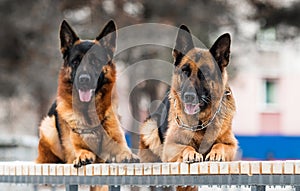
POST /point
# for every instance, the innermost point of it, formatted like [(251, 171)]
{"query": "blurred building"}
[(267, 94)]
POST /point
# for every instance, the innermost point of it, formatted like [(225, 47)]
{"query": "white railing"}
[(257, 174)]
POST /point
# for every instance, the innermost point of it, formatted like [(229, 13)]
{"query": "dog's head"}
[(200, 74), (88, 64)]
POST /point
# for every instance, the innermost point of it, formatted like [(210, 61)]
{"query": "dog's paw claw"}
[(192, 156), (85, 158), (127, 158), (215, 156)]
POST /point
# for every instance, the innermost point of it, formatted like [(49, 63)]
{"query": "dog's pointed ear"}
[(67, 37), (184, 43), (220, 50), (107, 37)]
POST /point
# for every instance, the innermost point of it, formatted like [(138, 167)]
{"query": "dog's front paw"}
[(127, 157), (85, 158), (216, 154), (190, 156)]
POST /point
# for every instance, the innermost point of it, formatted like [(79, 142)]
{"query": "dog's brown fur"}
[(61, 140), (216, 142)]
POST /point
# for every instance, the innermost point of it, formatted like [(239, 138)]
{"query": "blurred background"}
[(264, 70)]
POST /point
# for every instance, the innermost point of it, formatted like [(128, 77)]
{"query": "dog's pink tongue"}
[(85, 96), (191, 109)]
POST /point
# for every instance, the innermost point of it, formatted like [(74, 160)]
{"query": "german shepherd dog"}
[(194, 121), (81, 126)]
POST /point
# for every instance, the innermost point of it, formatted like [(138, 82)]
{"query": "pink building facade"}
[(267, 89)]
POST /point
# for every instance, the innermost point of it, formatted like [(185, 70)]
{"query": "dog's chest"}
[(93, 141), (195, 138)]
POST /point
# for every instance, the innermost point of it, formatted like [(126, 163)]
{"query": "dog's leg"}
[(180, 153), (221, 152), (45, 155), (99, 188), (49, 148), (186, 188), (150, 147), (146, 155), (224, 149), (126, 155), (83, 157), (114, 144)]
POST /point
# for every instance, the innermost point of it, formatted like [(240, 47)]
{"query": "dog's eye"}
[(186, 70), (200, 75), (75, 62)]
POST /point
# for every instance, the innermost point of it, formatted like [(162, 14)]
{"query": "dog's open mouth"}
[(191, 109), (85, 95)]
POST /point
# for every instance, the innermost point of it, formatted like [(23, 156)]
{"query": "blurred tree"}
[(203, 17), (278, 14), (28, 55)]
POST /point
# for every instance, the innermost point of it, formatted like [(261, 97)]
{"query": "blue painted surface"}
[(269, 147), (128, 139), (265, 147)]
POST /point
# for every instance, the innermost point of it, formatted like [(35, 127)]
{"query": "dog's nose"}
[(84, 79), (189, 97)]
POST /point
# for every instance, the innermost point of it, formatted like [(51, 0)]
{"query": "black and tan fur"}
[(83, 128), (199, 94)]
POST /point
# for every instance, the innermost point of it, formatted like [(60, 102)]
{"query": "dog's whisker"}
[(206, 99)]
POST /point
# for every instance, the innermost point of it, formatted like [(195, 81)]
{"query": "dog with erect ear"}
[(194, 121), (81, 127)]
